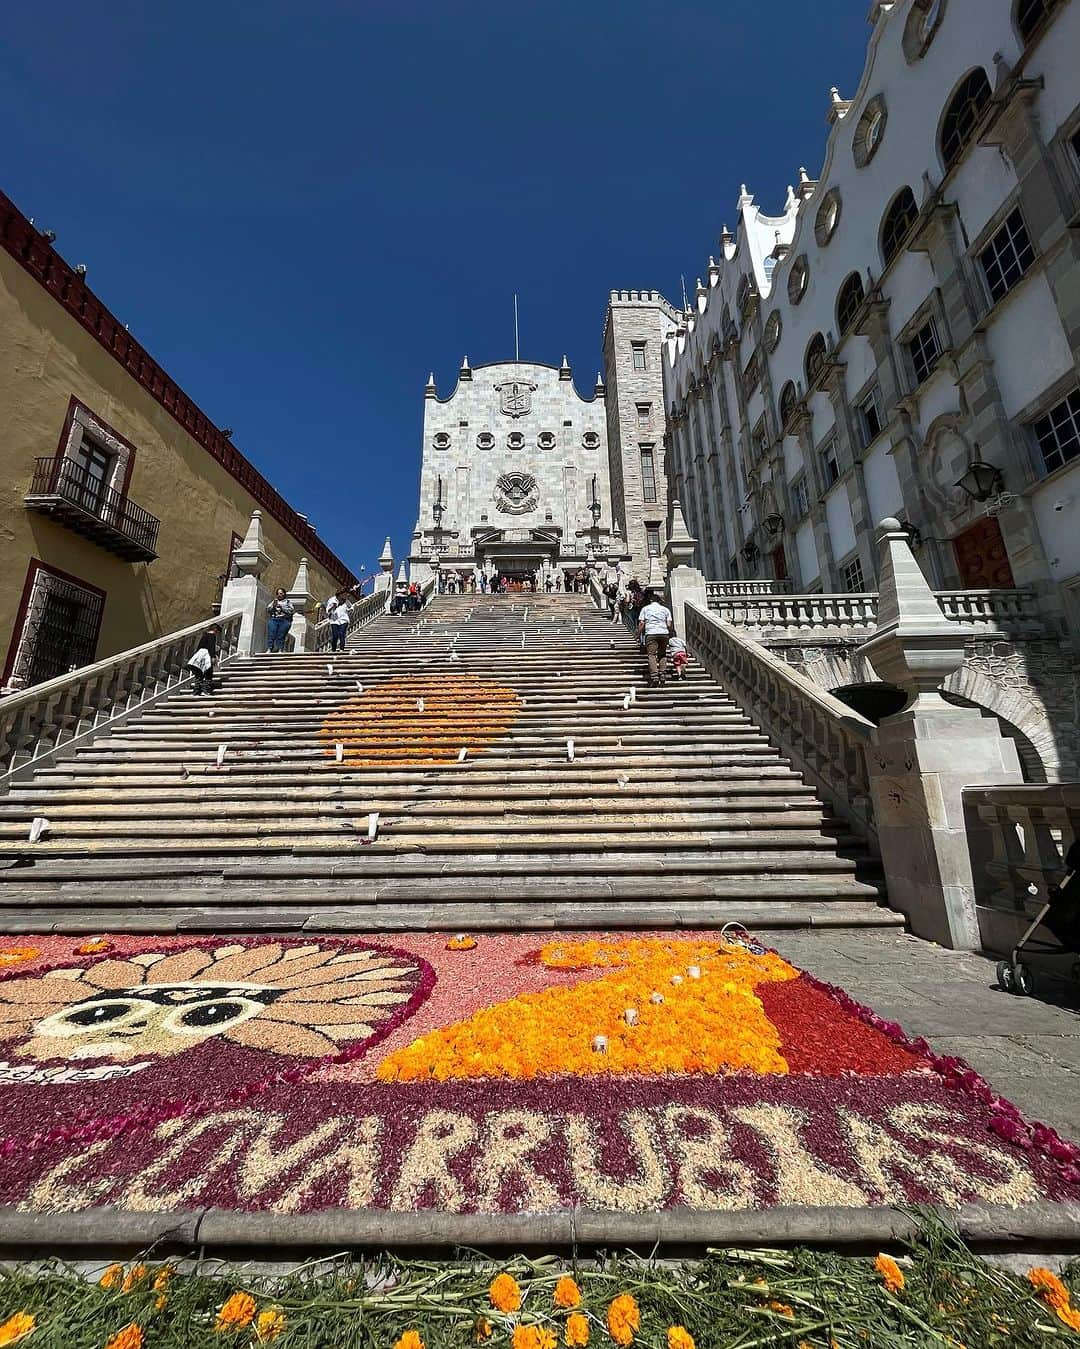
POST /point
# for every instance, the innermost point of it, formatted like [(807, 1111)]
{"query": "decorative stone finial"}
[(915, 647), (251, 558), (386, 557), (301, 586), (681, 544), (564, 369), (429, 388), (601, 387), (714, 271), (466, 369), (402, 577)]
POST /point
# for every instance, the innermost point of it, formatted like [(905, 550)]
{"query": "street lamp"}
[(774, 524), (981, 480)]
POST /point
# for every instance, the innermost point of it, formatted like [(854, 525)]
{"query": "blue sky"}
[(301, 207)]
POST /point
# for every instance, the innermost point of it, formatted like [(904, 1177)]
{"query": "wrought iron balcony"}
[(64, 490)]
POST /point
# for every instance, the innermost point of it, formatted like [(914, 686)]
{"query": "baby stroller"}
[(1061, 915)]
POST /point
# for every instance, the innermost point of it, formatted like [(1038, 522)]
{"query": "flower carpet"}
[(500, 1074)]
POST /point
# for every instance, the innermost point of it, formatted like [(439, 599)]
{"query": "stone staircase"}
[(675, 810)]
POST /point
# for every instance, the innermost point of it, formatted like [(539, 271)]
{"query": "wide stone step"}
[(293, 914), (399, 839)]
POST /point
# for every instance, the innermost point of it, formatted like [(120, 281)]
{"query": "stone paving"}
[(1027, 1048)]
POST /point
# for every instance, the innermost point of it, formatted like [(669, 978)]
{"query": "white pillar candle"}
[(656, 998), (570, 750), (676, 979), (694, 971), (630, 1016), (221, 749), (373, 826), (339, 751), (599, 1044)]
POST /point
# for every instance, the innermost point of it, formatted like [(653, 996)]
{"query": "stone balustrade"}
[(824, 738), (1012, 611), (725, 589), (1025, 831), (49, 721)]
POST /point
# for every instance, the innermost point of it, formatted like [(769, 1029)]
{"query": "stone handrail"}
[(824, 738), (1027, 830), (726, 589), (992, 610), (596, 590), (49, 721), (361, 613)]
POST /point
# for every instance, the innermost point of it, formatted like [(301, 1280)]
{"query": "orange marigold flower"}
[(678, 1337), (94, 947), (532, 1337), (1049, 1287), (461, 942), (112, 1276), (577, 1331), (131, 1337), (781, 1308), (159, 1302), (162, 1277), (567, 1293), (505, 1293), (269, 1324), (237, 1311), (134, 1275), (623, 1319), (410, 1340), (891, 1274), (17, 1327), (483, 1329), (1070, 1316)]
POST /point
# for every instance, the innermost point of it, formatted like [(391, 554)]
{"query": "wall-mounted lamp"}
[(913, 533), (774, 524), (981, 480), (750, 552)]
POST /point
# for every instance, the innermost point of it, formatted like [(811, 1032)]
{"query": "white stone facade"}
[(514, 473), (913, 310)]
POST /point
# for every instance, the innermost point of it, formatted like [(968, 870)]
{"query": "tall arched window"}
[(962, 115), (788, 401), (816, 354), (897, 222), (848, 302), (1031, 14)]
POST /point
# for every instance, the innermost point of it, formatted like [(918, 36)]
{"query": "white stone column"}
[(246, 592), (301, 629), (927, 754), (685, 582)]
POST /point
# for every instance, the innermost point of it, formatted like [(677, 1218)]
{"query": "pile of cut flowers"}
[(932, 1291)]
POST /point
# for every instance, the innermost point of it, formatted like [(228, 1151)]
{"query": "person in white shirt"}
[(337, 611), (656, 625)]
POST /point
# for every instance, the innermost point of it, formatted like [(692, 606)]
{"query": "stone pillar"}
[(385, 579), (246, 592), (685, 582), (927, 754), (301, 629)]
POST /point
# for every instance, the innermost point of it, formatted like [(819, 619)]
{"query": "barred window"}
[(830, 469), (1057, 432), (638, 349), (644, 412), (788, 402), (925, 351), (853, 577), (751, 375), (848, 302), (816, 354), (962, 115), (1007, 256), (869, 413), (648, 474), (1032, 14), (896, 226), (652, 540), (800, 498)]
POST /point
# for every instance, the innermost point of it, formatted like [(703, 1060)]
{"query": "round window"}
[(590, 440), (798, 279), (828, 217), (870, 132), (774, 326), (441, 440)]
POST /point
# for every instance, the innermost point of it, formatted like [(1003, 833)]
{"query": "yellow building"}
[(120, 501)]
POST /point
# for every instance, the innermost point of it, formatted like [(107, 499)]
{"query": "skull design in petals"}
[(305, 1000)]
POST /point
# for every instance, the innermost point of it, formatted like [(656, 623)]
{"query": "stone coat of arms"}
[(515, 397), (515, 494)]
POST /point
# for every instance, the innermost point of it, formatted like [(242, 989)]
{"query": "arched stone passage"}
[(874, 701), (1020, 719)]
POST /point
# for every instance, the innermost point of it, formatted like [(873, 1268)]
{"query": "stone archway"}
[(1021, 719)]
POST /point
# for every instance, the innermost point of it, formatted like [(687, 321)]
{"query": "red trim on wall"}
[(35, 565), (32, 251)]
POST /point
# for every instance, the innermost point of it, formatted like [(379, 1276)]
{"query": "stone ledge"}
[(105, 1233)]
